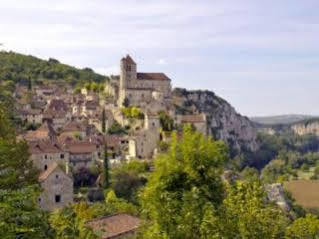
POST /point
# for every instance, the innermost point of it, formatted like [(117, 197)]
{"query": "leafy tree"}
[(184, 186), (20, 217), (248, 215), (88, 86), (16, 168), (304, 228), (128, 178), (116, 128), (250, 174), (67, 223), (103, 121), (94, 86), (29, 84), (106, 173), (167, 123)]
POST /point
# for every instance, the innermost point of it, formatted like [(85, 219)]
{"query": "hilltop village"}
[(73, 130)]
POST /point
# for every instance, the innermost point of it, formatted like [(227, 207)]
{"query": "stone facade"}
[(137, 88), (144, 142), (44, 153), (57, 188)]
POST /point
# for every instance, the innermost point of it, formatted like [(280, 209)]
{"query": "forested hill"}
[(18, 68)]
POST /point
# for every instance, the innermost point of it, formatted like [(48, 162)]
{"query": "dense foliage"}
[(21, 68)]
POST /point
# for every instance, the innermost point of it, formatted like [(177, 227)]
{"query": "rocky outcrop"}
[(222, 120), (276, 194), (307, 127)]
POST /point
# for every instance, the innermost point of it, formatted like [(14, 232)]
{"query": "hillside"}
[(280, 119), (20, 68)]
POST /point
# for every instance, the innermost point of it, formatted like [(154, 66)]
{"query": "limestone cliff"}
[(223, 121), (306, 127)]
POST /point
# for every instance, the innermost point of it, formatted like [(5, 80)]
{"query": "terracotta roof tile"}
[(81, 147)]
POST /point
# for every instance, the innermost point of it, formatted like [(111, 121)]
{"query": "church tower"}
[(128, 77), (128, 72)]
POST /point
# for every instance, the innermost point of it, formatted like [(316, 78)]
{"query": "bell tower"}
[(128, 76), (128, 72)]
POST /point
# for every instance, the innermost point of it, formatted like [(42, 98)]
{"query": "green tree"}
[(16, 168), (185, 184), (103, 121), (20, 216), (167, 123), (69, 225), (304, 228), (248, 215), (106, 173), (128, 178), (29, 84), (88, 86)]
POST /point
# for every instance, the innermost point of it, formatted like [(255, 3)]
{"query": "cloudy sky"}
[(261, 56)]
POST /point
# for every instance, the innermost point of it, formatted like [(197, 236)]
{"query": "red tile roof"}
[(152, 76), (115, 226), (81, 147), (44, 147)]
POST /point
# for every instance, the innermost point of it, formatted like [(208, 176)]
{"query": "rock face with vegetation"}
[(223, 121), (307, 127)]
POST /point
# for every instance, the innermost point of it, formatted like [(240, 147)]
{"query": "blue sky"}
[(261, 56)]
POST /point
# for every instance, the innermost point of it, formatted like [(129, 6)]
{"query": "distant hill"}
[(281, 119), (17, 67)]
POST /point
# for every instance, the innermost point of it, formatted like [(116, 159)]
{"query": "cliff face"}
[(223, 121), (306, 127)]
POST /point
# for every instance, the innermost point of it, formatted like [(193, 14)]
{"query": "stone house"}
[(144, 142), (83, 154), (34, 116), (89, 108), (116, 226), (197, 120), (57, 188), (74, 128), (44, 153), (57, 118), (45, 132)]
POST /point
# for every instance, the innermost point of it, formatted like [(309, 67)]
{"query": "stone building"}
[(44, 153), (45, 132), (57, 188), (137, 88), (197, 120), (34, 116), (83, 154), (144, 142)]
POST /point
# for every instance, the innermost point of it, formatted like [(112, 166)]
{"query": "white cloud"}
[(162, 62)]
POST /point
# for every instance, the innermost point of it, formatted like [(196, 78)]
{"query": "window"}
[(39, 199), (45, 167), (62, 156), (57, 198), (45, 156), (57, 176)]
